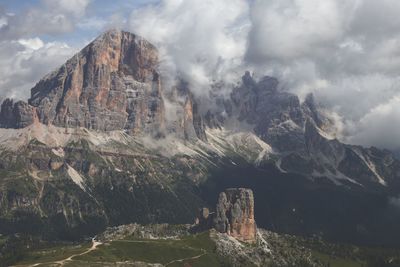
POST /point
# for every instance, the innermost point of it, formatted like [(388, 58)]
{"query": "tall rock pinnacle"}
[(235, 214), (111, 84)]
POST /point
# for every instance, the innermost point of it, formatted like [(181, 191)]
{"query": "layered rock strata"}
[(111, 84), (16, 115)]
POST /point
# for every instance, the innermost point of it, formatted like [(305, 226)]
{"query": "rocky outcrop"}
[(16, 115), (204, 220), (111, 84), (235, 214), (276, 115), (304, 134), (185, 120)]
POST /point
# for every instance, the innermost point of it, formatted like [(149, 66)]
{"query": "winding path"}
[(190, 258), (94, 246), (204, 252)]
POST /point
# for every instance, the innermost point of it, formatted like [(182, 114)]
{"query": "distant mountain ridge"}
[(97, 128)]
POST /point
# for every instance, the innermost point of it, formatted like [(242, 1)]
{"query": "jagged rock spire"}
[(235, 214)]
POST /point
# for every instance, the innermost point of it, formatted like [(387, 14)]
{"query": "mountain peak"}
[(108, 85), (112, 31), (116, 36)]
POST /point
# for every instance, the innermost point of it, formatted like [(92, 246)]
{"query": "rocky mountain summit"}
[(103, 141), (111, 84)]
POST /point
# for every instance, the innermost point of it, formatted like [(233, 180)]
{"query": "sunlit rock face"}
[(111, 84), (235, 214)]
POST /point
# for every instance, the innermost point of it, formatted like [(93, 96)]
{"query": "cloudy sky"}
[(347, 52)]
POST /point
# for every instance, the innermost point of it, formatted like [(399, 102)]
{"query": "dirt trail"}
[(190, 258), (95, 244), (204, 252)]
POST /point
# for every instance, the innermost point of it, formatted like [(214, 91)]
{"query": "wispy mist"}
[(201, 41)]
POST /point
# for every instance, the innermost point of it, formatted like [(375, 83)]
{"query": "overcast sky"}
[(347, 52)]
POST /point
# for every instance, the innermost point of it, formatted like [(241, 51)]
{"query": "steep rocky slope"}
[(16, 115), (111, 84), (96, 145)]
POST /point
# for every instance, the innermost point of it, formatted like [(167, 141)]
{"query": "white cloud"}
[(33, 43), (202, 40), (3, 22), (346, 52), (31, 59), (25, 57), (291, 29), (92, 23), (380, 126), (76, 8), (352, 46), (49, 17)]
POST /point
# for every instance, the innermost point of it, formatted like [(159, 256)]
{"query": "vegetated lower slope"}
[(173, 245), (78, 188)]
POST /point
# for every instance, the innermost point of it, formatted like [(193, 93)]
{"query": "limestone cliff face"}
[(16, 115), (187, 122), (111, 84), (235, 214), (277, 115)]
